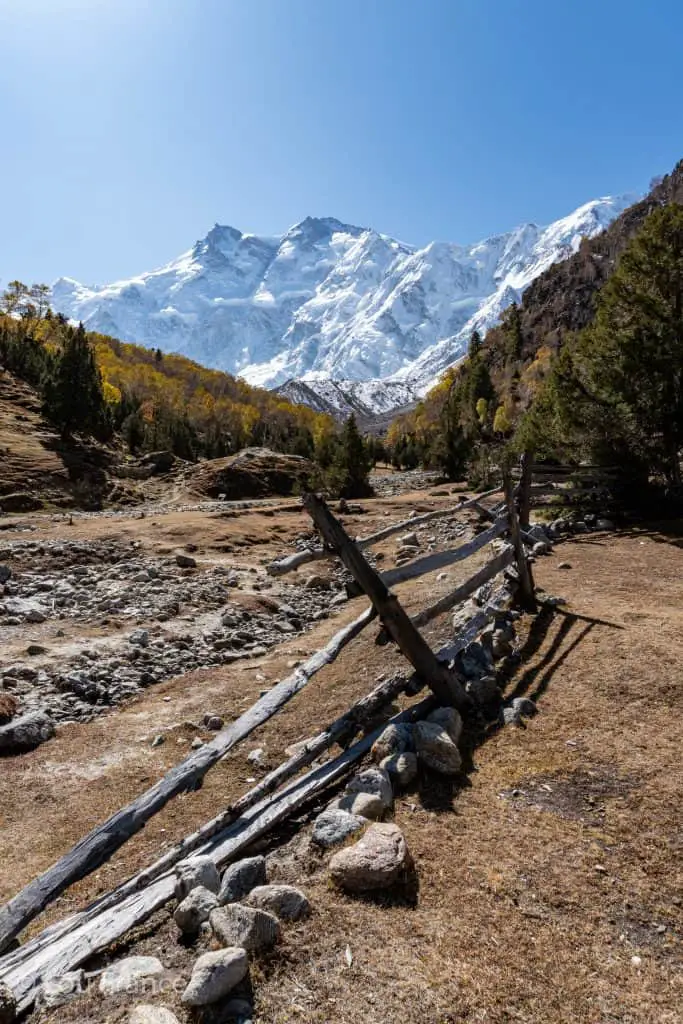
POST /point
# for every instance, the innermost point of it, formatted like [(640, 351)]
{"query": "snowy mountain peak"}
[(330, 301)]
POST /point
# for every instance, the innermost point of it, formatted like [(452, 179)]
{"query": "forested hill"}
[(562, 299)]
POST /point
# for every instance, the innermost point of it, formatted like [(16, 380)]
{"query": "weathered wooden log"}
[(526, 583), (526, 465), (413, 646), (284, 565), (99, 845), (26, 969), (440, 559), (341, 730)]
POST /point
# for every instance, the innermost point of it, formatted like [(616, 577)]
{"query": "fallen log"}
[(284, 565), (99, 845), (341, 731), (440, 559), (36, 962), (445, 685)]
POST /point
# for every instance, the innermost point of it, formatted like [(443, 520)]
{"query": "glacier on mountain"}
[(329, 301)]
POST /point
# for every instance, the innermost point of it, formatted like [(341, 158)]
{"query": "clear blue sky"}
[(131, 126)]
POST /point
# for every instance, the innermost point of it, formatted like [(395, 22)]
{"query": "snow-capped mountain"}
[(340, 398), (329, 301)]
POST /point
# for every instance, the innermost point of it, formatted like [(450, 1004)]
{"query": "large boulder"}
[(26, 733), (334, 826), (252, 473), (241, 877), (248, 927), (125, 975), (436, 748), (193, 872), (374, 862), (215, 975), (286, 902)]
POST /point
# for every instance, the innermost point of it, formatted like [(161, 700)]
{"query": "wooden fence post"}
[(526, 583), (444, 683), (526, 465)]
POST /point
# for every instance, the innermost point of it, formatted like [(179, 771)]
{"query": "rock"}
[(450, 720), (139, 637), (158, 740), (195, 909), (401, 767), (394, 740), (58, 991), (334, 825), (474, 660), (524, 706), (9, 705), (8, 1004), (193, 872), (214, 975), (126, 974), (35, 616), (500, 647), (248, 927), (537, 532), (564, 565), (484, 690), (368, 794), (374, 862), (144, 1013), (284, 901), (34, 650), (240, 878), (409, 540), (185, 561), (26, 733), (317, 583), (196, 743), (541, 547), (239, 1010), (5, 573), (256, 756), (510, 716), (213, 722), (436, 748), (604, 524)]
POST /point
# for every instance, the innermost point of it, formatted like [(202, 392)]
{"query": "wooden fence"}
[(65, 945)]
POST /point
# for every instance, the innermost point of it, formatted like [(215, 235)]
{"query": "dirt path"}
[(549, 886)]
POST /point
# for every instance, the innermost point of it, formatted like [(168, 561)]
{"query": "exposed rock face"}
[(334, 825), (286, 902), (436, 748), (252, 473), (126, 974), (193, 872), (215, 975), (248, 927), (241, 877), (374, 862)]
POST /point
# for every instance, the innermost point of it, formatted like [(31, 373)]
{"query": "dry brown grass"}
[(539, 879)]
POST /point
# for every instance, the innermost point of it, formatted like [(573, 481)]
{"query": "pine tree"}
[(512, 329), (352, 464), (616, 390), (72, 390)]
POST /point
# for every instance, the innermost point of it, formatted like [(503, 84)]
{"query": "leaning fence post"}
[(526, 583), (526, 465)]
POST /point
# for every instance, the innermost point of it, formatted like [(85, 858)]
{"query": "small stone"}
[(636, 961), (317, 583), (409, 540), (483, 690), (158, 740), (564, 565), (401, 767), (213, 722), (368, 794), (286, 902), (256, 756), (8, 1004), (240, 878), (524, 706), (195, 909), (126, 974), (35, 616), (436, 748), (58, 991), (334, 825), (214, 975), (147, 1014), (140, 637), (541, 547), (185, 561), (34, 650), (248, 927), (395, 739), (196, 743), (374, 862), (5, 573), (193, 872), (450, 720)]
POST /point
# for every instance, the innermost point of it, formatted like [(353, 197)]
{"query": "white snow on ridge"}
[(330, 302)]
